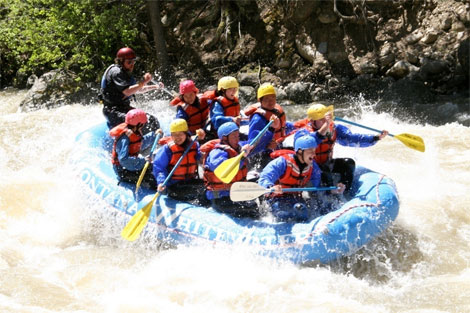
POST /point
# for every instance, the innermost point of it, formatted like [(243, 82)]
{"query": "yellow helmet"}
[(178, 125), (266, 89), (318, 111), (227, 82)]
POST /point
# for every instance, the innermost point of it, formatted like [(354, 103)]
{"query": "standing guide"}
[(118, 86)]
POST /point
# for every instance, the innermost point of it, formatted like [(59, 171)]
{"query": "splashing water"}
[(58, 254)]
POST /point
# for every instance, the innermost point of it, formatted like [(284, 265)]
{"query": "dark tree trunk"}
[(159, 39)]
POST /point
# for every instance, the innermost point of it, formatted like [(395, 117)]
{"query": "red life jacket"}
[(206, 96), (206, 148), (188, 166), (277, 153), (292, 177), (231, 107), (324, 150), (277, 111), (134, 145), (197, 116), (303, 123), (164, 140), (213, 183)]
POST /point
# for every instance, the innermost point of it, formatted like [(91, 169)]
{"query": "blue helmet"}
[(226, 129), (305, 142)]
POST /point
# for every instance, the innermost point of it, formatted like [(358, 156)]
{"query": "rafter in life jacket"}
[(277, 111), (134, 145)]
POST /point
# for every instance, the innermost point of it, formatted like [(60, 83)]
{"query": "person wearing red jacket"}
[(260, 114)]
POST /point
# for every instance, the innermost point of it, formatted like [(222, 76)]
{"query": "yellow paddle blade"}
[(141, 177), (137, 223), (227, 170), (411, 141), (412, 137)]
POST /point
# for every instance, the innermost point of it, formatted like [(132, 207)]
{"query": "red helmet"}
[(135, 117), (187, 86), (125, 53)]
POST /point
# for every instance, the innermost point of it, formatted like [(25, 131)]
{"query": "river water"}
[(58, 255)]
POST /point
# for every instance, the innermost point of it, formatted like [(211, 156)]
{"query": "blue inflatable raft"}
[(372, 209)]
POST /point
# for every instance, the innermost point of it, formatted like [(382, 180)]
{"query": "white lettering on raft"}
[(112, 197), (184, 224)]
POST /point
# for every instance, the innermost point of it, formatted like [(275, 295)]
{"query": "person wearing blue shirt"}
[(185, 183), (217, 191), (225, 106), (128, 143), (260, 114), (319, 122), (192, 106), (293, 170)]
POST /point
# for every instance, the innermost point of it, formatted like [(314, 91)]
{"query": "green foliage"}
[(82, 36)]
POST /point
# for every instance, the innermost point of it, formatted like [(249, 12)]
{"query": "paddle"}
[(409, 140), (227, 170), (245, 191), (141, 177), (173, 94), (137, 223)]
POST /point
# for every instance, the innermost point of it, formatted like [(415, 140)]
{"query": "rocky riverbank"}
[(411, 53)]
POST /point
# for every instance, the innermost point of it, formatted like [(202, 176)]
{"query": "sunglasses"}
[(130, 61)]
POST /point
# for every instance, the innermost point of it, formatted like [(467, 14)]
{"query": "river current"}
[(57, 254)]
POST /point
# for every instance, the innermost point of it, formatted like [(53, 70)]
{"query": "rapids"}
[(58, 254)]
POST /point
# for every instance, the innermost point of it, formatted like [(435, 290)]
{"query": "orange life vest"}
[(206, 96), (134, 145), (277, 153), (164, 140), (303, 123), (188, 166), (293, 177), (324, 150), (277, 111), (197, 116), (213, 183), (231, 107), (206, 148)]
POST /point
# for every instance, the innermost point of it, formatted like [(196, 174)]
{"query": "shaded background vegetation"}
[(81, 36), (325, 44)]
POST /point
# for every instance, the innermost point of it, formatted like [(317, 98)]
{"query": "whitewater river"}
[(56, 255)]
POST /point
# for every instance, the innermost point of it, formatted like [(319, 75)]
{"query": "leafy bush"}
[(82, 36)]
